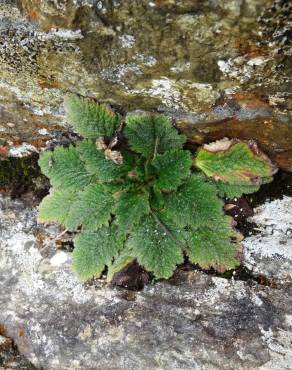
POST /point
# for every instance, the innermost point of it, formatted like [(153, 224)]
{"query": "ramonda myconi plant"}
[(131, 191)]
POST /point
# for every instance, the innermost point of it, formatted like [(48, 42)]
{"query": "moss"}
[(18, 175)]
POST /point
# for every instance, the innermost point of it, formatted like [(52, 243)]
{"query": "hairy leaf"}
[(194, 203), (150, 135), (211, 246), (157, 198), (65, 169), (125, 257), (130, 208), (232, 191), (56, 206), (138, 199), (154, 247), (172, 167), (46, 162), (90, 119), (93, 251), (98, 165), (92, 208), (240, 164)]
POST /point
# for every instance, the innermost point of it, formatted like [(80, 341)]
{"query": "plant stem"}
[(61, 234), (155, 147)]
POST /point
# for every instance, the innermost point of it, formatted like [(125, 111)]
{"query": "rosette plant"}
[(131, 191)]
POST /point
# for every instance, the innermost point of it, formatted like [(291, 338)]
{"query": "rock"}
[(242, 116), (269, 252), (219, 68), (5, 342), (193, 321), (10, 358)]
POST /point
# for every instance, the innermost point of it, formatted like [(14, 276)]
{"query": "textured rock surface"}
[(269, 253), (10, 358), (221, 68), (193, 322)]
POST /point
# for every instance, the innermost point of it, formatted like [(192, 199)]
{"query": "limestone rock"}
[(194, 321), (220, 68), (10, 358), (269, 252)]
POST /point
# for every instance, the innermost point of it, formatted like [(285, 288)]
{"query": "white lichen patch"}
[(256, 61), (180, 67), (60, 33), (43, 131), (29, 98), (241, 68), (289, 320), (274, 216), (22, 246), (20, 255), (270, 252), (145, 59), (224, 66), (22, 150), (127, 41), (66, 286), (166, 90), (279, 344), (119, 72)]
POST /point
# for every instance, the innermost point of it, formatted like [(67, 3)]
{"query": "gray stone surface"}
[(220, 68), (269, 252), (10, 358), (195, 321)]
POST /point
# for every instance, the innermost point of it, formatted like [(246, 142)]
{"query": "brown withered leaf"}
[(100, 144), (114, 156)]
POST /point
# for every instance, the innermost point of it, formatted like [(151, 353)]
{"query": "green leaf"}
[(98, 165), (90, 119), (130, 208), (154, 247), (46, 162), (211, 245), (172, 167), (93, 251), (64, 168), (137, 172), (92, 208), (150, 135), (232, 191), (125, 257), (56, 206), (157, 198), (239, 163), (194, 203)]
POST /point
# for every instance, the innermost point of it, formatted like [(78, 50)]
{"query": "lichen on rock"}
[(179, 57), (269, 252), (59, 324)]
